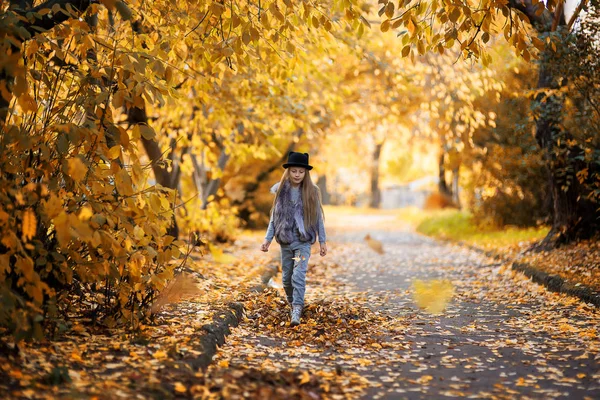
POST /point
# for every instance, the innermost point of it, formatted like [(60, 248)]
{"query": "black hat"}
[(297, 160)]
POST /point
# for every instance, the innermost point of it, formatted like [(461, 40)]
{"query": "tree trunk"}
[(455, 197), (322, 184), (443, 186), (572, 215), (375, 191), (163, 177), (212, 186)]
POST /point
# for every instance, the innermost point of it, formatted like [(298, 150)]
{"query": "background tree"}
[(431, 27), (507, 179)]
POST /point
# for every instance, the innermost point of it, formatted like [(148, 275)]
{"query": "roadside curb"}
[(215, 333), (554, 283), (558, 284)]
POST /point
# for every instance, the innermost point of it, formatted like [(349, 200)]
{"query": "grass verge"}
[(576, 262), (459, 226)]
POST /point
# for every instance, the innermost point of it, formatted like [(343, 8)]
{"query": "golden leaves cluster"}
[(436, 26), (76, 208)]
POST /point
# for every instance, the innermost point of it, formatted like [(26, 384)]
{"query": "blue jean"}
[(294, 263)]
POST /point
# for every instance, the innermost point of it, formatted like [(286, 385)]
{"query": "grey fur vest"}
[(287, 216)]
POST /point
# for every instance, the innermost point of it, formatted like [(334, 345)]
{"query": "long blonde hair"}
[(311, 198)]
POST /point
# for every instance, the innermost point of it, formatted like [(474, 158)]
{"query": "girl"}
[(296, 220)]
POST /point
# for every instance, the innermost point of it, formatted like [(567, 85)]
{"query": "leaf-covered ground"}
[(152, 362), (501, 336), (363, 335), (575, 262)]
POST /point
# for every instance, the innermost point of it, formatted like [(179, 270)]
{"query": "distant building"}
[(410, 194)]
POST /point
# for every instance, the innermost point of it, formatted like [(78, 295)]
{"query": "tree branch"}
[(42, 23), (558, 15), (542, 22), (21, 4), (576, 13)]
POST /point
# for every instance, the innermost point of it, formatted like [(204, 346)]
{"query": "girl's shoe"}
[(296, 313)]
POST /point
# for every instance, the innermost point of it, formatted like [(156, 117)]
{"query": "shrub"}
[(437, 201)]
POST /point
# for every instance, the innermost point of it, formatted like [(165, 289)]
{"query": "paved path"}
[(501, 336)]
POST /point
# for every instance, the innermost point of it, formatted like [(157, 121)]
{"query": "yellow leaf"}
[(410, 25), (433, 295), (290, 47), (180, 387), (123, 183), (566, 328), (62, 227), (246, 37), (53, 206), (25, 268), (164, 202), (20, 86), (27, 103), (538, 43), (117, 99), (219, 257), (389, 10), (160, 355), (9, 240), (114, 152), (36, 293), (29, 225), (77, 169), (454, 14), (135, 265), (217, 9), (155, 203), (85, 213), (315, 22), (144, 131), (224, 364), (385, 25), (374, 244), (3, 217), (305, 378)]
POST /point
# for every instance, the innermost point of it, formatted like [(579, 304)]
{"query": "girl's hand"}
[(265, 246), (323, 251)]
